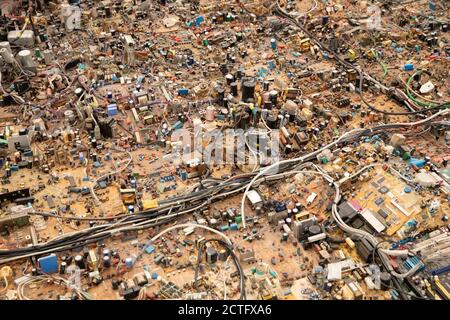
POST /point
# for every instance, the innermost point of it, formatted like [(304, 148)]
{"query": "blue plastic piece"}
[(409, 67), (49, 264), (234, 226), (154, 275), (112, 110), (407, 189), (177, 125), (199, 20), (149, 249), (419, 163), (183, 92)]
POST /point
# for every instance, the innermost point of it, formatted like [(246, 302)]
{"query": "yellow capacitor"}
[(350, 242)]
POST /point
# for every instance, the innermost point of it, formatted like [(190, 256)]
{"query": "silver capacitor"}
[(7, 56), (26, 60), (49, 57), (5, 45)]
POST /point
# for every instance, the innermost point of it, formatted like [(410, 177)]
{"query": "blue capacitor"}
[(407, 189), (129, 262), (183, 92), (130, 209), (273, 43), (409, 67), (110, 95), (432, 4)]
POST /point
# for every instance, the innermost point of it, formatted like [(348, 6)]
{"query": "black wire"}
[(243, 294)]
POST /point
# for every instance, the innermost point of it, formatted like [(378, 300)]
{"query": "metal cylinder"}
[(26, 59), (7, 56), (5, 45), (49, 57)]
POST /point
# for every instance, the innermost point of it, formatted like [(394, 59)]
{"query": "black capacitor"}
[(385, 279), (220, 95), (225, 102), (106, 261), (266, 85), (79, 261), (224, 68), (273, 95), (34, 272), (62, 267), (79, 91), (268, 105), (248, 90), (444, 27), (234, 89), (229, 78), (108, 12), (272, 121), (288, 149), (291, 114), (115, 284), (238, 74), (258, 210)]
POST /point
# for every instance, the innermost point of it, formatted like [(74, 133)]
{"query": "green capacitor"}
[(38, 53)]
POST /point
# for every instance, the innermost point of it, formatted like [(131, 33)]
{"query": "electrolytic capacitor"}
[(385, 279), (273, 43), (273, 97), (129, 262), (62, 267), (106, 252), (234, 89), (106, 261), (79, 261), (248, 90), (268, 105), (266, 85), (229, 78)]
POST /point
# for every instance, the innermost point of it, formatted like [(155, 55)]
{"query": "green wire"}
[(383, 65), (419, 102)]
